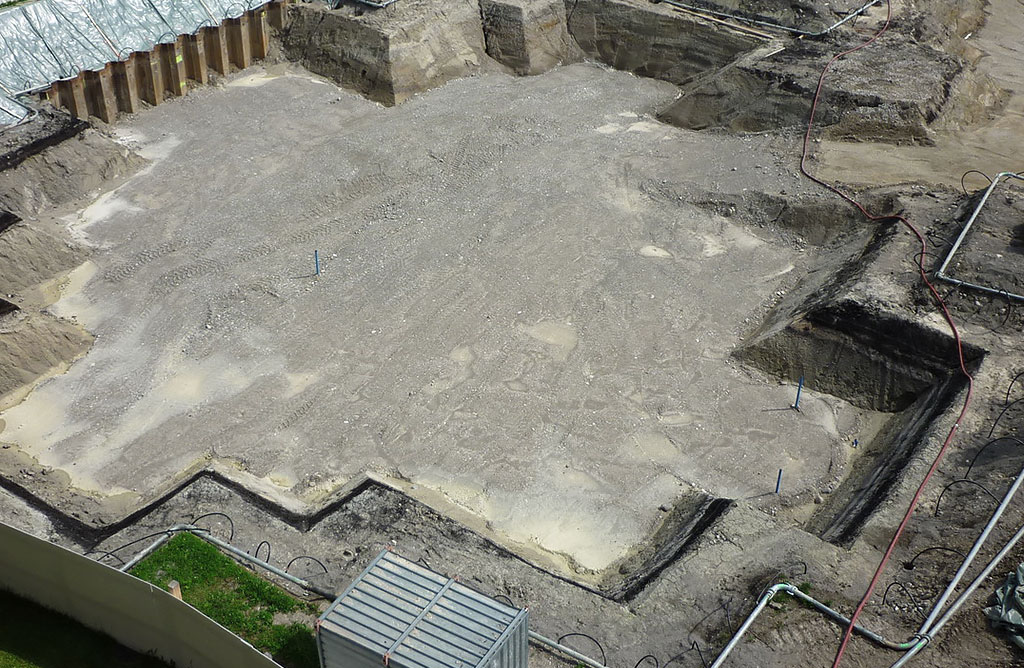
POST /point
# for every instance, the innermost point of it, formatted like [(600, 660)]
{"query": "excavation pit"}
[(555, 339), (839, 332), (504, 321)]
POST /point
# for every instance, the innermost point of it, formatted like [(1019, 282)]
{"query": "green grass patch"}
[(33, 637), (237, 599), (783, 598)]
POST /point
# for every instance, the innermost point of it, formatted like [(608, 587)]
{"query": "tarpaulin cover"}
[(11, 111), (1007, 609), (50, 40)]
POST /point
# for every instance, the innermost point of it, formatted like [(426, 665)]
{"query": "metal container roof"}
[(404, 614)]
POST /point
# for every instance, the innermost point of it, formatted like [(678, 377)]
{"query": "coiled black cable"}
[(256, 553)]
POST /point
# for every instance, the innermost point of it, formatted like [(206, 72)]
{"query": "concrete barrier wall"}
[(135, 613)]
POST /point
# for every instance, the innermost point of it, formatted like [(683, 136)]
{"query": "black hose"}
[(1006, 319), (256, 553), (933, 235), (1002, 413), (103, 553), (972, 171), (510, 601), (224, 515), (137, 540), (694, 646), (721, 606), (604, 658), (1007, 400), (305, 556), (645, 657), (699, 653), (962, 480), (982, 449), (919, 256), (909, 565)]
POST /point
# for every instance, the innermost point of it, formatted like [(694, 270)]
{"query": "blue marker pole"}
[(778, 482), (799, 387), (316, 261)]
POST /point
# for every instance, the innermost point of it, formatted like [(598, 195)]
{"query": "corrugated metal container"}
[(403, 615)]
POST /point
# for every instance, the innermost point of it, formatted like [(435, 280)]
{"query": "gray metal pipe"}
[(817, 605), (762, 603), (941, 273), (971, 588), (573, 654), (228, 547), (242, 554), (145, 552), (845, 621), (930, 627), (769, 24), (978, 543)]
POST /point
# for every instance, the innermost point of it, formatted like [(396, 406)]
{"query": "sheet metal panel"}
[(512, 650), (418, 619)]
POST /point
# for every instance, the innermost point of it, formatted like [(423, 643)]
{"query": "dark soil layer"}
[(48, 129), (850, 347)]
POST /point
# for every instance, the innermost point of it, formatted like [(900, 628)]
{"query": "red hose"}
[(938, 300)]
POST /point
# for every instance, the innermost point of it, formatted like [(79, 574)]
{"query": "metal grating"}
[(401, 614)]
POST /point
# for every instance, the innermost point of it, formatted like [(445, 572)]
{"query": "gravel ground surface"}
[(505, 314)]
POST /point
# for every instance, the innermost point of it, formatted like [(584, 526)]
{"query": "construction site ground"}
[(545, 333)]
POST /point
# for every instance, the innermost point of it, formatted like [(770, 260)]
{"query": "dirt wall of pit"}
[(389, 55), (64, 162)]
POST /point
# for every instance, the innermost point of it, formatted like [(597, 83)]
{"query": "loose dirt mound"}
[(896, 96), (30, 257), (63, 173), (33, 346), (45, 166)]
